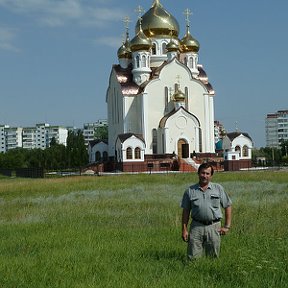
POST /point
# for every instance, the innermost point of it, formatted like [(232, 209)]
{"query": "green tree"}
[(76, 152), (14, 158), (284, 147), (101, 133)]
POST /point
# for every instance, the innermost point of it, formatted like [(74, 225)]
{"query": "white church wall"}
[(115, 112), (133, 114), (155, 98)]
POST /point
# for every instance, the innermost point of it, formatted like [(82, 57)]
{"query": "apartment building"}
[(90, 128), (58, 133), (276, 126), (39, 136), (2, 138), (13, 136), (29, 137)]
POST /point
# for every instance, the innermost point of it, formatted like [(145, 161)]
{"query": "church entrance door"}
[(183, 148)]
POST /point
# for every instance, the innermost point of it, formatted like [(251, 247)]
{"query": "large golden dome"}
[(158, 22)]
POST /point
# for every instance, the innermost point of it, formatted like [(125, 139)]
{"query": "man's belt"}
[(206, 223)]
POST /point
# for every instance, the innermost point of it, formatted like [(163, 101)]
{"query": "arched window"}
[(137, 61), (185, 61), (129, 153), (191, 62), (137, 153), (98, 156), (237, 148), (154, 49), (186, 98), (245, 151), (154, 141), (105, 156), (164, 51), (143, 61), (166, 98)]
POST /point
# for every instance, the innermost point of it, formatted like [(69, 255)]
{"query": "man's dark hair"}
[(206, 166)]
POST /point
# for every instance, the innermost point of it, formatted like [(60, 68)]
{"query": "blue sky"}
[(56, 57)]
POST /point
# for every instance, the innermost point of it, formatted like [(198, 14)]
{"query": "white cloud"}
[(7, 36), (61, 12)]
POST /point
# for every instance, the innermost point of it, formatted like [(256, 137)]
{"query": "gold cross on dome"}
[(126, 21), (140, 11), (187, 12)]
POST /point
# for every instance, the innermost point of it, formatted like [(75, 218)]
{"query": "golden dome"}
[(158, 22), (179, 96), (124, 51), (172, 46), (188, 43), (140, 42)]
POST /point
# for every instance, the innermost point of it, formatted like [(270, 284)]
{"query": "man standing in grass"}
[(204, 201)]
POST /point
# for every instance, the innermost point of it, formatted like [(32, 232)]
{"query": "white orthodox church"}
[(159, 99)]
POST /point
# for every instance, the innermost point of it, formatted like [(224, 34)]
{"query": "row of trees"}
[(57, 156), (273, 156)]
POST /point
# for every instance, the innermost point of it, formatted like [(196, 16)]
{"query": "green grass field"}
[(125, 231)]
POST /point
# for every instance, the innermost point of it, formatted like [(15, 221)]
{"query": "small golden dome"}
[(172, 46), (179, 96), (140, 42), (124, 51), (188, 43), (158, 22)]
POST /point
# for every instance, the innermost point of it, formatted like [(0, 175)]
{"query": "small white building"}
[(237, 147), (98, 151)]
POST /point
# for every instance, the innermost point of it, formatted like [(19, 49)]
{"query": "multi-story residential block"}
[(90, 128), (41, 135), (58, 133), (13, 137), (2, 138), (45, 133), (29, 137), (276, 128)]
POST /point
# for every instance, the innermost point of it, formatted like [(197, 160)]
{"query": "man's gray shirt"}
[(205, 206)]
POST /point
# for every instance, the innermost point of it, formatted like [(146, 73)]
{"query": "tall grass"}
[(125, 231)]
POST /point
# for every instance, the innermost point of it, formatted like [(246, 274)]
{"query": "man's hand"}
[(223, 230), (185, 235)]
